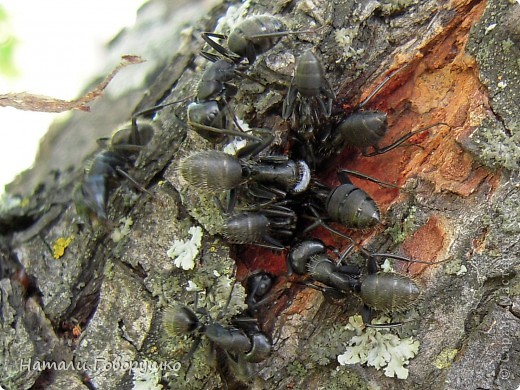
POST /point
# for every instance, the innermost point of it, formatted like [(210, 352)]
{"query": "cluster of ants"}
[(281, 187)]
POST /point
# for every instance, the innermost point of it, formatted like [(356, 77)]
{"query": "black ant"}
[(109, 166)]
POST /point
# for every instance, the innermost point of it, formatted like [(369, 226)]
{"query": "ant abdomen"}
[(246, 228), (364, 129), (181, 320), (212, 170), (352, 207), (389, 291), (251, 36)]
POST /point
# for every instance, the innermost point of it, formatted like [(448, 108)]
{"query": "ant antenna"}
[(380, 86)]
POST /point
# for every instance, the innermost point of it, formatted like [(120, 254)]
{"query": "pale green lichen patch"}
[(220, 299), (344, 38), (379, 349), (509, 211), (344, 378), (329, 344), (205, 211), (184, 252), (401, 230), (462, 271), (122, 230), (495, 148), (445, 358), (455, 267), (234, 15), (396, 6)]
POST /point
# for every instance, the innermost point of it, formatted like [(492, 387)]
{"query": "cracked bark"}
[(460, 204)]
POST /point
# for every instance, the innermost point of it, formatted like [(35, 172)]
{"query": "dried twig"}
[(30, 102)]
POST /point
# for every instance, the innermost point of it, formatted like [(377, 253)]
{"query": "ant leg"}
[(343, 178), (270, 243), (258, 286), (192, 350), (323, 289), (401, 140), (240, 73), (372, 264), (319, 222), (279, 34), (133, 181), (230, 296), (323, 108), (371, 261), (279, 210), (266, 195), (250, 52), (153, 109), (367, 314), (254, 148), (330, 95), (231, 201), (209, 56), (199, 126), (408, 260), (208, 37), (383, 326), (288, 103), (346, 252)]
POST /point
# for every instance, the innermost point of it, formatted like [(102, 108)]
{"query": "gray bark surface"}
[(114, 289)]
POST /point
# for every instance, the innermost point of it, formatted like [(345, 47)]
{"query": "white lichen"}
[(184, 252), (229, 297), (123, 230), (387, 266), (147, 376), (344, 38), (377, 349), (462, 271), (192, 286), (308, 7), (490, 28), (235, 145), (234, 15)]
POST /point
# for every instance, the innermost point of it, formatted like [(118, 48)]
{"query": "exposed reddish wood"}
[(439, 84), (426, 243)]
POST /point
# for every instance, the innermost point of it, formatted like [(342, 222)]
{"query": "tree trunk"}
[(100, 306)]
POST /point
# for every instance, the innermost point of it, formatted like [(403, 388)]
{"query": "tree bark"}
[(101, 304)]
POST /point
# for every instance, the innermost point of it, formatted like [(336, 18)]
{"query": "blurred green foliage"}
[(8, 44)]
